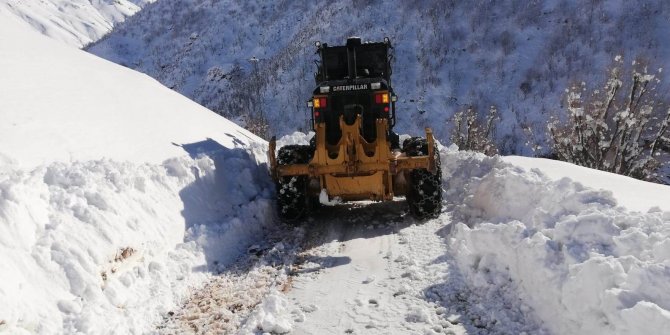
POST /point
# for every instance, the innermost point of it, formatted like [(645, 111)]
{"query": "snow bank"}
[(116, 194), (103, 245), (631, 193), (585, 265)]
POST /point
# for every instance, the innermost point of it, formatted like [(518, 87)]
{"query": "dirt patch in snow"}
[(226, 302)]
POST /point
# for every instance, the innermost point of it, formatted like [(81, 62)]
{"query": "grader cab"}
[(354, 154)]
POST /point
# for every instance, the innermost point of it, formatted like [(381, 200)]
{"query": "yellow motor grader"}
[(354, 154)]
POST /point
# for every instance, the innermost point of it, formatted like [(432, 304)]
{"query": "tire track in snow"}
[(357, 269), (370, 269)]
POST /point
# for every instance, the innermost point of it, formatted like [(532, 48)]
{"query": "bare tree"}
[(256, 121), (622, 128), (470, 133)]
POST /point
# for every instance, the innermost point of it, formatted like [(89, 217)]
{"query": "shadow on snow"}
[(225, 210)]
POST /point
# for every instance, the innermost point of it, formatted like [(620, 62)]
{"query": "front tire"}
[(292, 190), (424, 193)]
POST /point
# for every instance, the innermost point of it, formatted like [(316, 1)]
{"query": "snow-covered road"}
[(494, 262), (362, 268), (371, 269), (352, 279)]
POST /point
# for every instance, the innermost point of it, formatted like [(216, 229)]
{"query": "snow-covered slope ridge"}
[(116, 193), (514, 54), (75, 22), (584, 265), (635, 195), (62, 104)]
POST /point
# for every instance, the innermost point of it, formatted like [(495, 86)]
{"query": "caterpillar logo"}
[(350, 87)]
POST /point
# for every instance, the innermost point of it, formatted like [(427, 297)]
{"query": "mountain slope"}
[(96, 104), (516, 55), (117, 195), (77, 22), (120, 199)]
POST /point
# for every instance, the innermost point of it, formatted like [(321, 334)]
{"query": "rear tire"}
[(424, 193), (292, 190)]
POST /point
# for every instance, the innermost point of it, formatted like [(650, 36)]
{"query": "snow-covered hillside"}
[(517, 55), (127, 208), (117, 194), (75, 22)]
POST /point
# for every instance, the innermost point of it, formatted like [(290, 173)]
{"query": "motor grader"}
[(354, 154)]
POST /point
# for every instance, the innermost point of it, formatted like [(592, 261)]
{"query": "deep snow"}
[(74, 22), (117, 195), (631, 193), (47, 103), (582, 263), (515, 251), (126, 208)]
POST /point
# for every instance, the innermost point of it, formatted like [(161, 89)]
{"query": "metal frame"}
[(354, 169)]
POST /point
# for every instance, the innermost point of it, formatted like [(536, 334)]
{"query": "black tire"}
[(394, 139), (424, 191), (292, 190)]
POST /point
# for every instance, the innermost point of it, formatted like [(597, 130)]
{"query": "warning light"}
[(382, 98), (320, 102)]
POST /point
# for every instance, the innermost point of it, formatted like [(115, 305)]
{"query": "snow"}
[(232, 296), (127, 208), (50, 84), (370, 269), (118, 196), (631, 193), (517, 56), (583, 264), (515, 251), (273, 316), (74, 22)]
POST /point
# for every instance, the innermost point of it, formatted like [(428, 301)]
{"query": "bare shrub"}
[(471, 133), (258, 125), (622, 128)]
